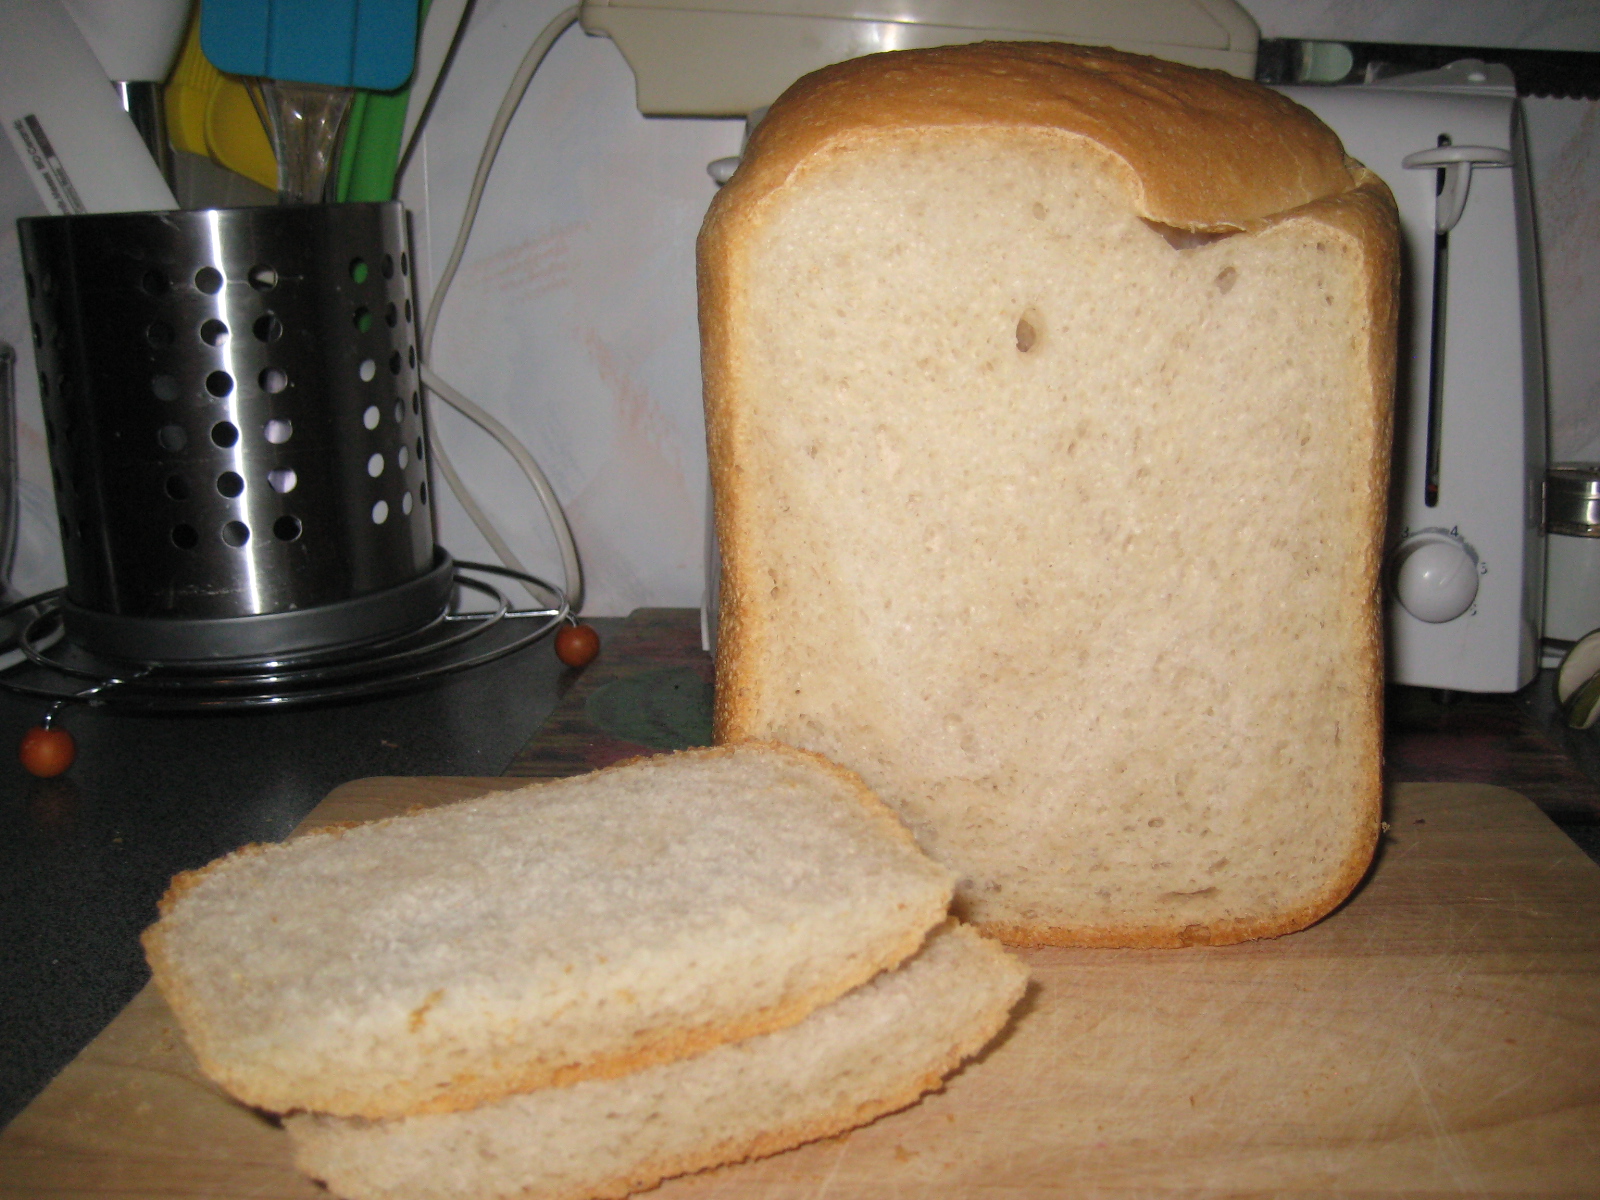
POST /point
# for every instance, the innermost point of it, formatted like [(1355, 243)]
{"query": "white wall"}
[(1564, 143), (573, 318)]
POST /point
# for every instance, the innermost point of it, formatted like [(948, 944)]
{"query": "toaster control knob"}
[(1436, 577)]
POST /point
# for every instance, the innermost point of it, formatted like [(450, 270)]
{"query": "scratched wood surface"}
[(1438, 1036)]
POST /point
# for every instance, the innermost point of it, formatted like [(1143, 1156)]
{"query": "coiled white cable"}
[(571, 565)]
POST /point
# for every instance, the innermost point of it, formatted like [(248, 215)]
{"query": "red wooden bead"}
[(47, 752), (577, 645)]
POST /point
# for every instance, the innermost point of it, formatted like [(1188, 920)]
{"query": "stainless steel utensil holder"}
[(237, 435)]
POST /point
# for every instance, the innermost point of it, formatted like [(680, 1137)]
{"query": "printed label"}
[(42, 155)]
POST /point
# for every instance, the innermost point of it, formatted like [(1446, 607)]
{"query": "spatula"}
[(336, 43), (304, 59)]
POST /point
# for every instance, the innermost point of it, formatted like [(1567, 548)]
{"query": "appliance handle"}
[(1457, 163)]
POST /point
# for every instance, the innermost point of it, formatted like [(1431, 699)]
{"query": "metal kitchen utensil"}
[(1572, 563), (1572, 499), (237, 436)]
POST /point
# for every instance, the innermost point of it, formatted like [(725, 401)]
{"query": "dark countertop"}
[(84, 858), (1514, 741)]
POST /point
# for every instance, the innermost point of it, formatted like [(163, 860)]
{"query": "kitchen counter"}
[(84, 858)]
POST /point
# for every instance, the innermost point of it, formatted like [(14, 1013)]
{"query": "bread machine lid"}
[(725, 58)]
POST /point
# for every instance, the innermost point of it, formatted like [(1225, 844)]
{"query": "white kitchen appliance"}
[(1465, 555), (728, 58)]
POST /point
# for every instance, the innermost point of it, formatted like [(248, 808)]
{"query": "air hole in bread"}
[(1225, 280), (1188, 239)]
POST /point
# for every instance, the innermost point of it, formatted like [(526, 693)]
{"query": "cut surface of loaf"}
[(873, 1051), (1048, 400), (573, 929)]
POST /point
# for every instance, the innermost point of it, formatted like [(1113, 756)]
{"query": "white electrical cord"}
[(497, 132), (547, 496), (571, 566)]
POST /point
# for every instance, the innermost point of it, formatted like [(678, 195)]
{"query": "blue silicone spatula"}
[(368, 44), (304, 59)]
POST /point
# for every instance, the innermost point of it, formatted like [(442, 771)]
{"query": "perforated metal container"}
[(237, 435)]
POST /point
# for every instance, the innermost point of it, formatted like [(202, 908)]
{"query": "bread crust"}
[(848, 1107), (485, 1081), (1195, 149), (1204, 149), (1198, 150)]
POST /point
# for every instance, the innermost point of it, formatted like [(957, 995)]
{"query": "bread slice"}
[(875, 1050), (575, 929), (1048, 397)]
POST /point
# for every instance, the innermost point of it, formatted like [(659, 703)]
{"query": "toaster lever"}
[(1457, 163), (1454, 164)]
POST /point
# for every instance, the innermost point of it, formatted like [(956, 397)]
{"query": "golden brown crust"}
[(872, 805), (1205, 149), (491, 1082), (487, 1082), (910, 1091), (1200, 150), (739, 619), (775, 1141)]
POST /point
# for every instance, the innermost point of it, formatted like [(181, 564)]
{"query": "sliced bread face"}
[(1056, 521), (576, 929), (873, 1051)]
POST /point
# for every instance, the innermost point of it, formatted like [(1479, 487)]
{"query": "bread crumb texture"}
[(1059, 523), (874, 1050), (580, 928)]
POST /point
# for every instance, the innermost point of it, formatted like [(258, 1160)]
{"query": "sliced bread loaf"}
[(875, 1050), (571, 930), (1048, 399)]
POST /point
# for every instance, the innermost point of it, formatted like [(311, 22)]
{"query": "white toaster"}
[(1464, 568)]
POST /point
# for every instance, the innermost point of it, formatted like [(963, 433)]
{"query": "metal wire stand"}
[(46, 666)]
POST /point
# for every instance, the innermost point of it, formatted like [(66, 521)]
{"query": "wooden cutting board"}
[(1438, 1036)]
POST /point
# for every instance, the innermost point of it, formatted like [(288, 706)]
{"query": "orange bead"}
[(577, 645), (47, 752)]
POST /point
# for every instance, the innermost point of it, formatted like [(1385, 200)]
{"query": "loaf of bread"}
[(578, 929), (1048, 400), (875, 1050)]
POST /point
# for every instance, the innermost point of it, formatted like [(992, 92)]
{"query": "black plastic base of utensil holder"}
[(324, 629)]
